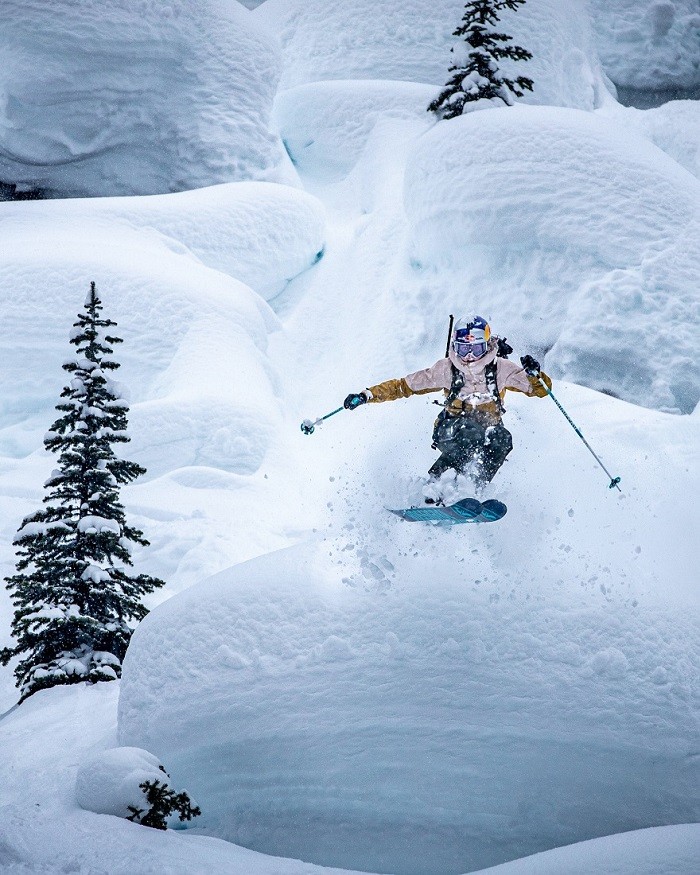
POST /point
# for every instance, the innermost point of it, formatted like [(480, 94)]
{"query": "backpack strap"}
[(491, 377), (456, 387)]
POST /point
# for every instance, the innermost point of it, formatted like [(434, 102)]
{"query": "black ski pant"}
[(463, 440)]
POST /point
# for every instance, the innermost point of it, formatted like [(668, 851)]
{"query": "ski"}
[(468, 510)]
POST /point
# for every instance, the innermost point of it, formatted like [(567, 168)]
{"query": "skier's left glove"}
[(355, 400), (530, 365)]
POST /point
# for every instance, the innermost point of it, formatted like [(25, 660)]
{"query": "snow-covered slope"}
[(670, 850), (350, 684), (115, 98), (363, 691), (195, 340)]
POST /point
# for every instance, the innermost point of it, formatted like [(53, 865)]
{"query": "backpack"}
[(490, 376)]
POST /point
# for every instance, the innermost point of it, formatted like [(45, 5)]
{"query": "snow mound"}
[(673, 127), (650, 45), (411, 40), (260, 233), (335, 702), (109, 98), (193, 357), (108, 782), (326, 125), (664, 850), (593, 223)]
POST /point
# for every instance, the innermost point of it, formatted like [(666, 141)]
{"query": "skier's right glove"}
[(530, 365), (355, 400)]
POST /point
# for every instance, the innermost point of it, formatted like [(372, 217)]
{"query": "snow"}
[(95, 574), (325, 126), (673, 127), (177, 317), (30, 529), (259, 233), (348, 683), (670, 850), (59, 732), (149, 122), (550, 226), (108, 781), (650, 45), (91, 524), (362, 39), (327, 681)]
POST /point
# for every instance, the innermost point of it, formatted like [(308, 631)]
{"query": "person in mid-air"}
[(469, 432)]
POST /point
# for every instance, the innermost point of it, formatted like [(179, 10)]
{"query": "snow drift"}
[(566, 227), (112, 98), (44, 830), (411, 40), (260, 233)]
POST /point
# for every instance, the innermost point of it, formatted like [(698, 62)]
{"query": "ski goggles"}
[(463, 348)]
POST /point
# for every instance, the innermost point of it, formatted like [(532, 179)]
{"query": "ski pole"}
[(308, 426), (449, 335), (614, 481)]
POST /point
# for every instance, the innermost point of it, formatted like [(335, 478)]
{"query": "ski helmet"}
[(471, 337)]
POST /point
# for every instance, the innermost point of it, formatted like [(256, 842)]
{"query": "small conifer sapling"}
[(76, 599), (162, 802), (478, 76)]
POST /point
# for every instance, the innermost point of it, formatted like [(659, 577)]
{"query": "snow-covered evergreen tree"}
[(478, 76), (162, 803), (74, 594)]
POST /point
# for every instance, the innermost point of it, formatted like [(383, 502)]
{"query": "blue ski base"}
[(468, 510)]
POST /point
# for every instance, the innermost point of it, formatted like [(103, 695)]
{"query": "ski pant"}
[(463, 439)]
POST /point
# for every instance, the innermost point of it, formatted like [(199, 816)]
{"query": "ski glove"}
[(531, 365), (354, 400)]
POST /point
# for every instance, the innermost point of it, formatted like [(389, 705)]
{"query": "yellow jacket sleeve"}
[(537, 390), (390, 390)]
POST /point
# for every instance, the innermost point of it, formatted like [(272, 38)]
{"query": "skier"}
[(474, 375)]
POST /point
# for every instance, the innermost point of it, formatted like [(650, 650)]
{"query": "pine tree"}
[(162, 801), (74, 594), (479, 76)]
